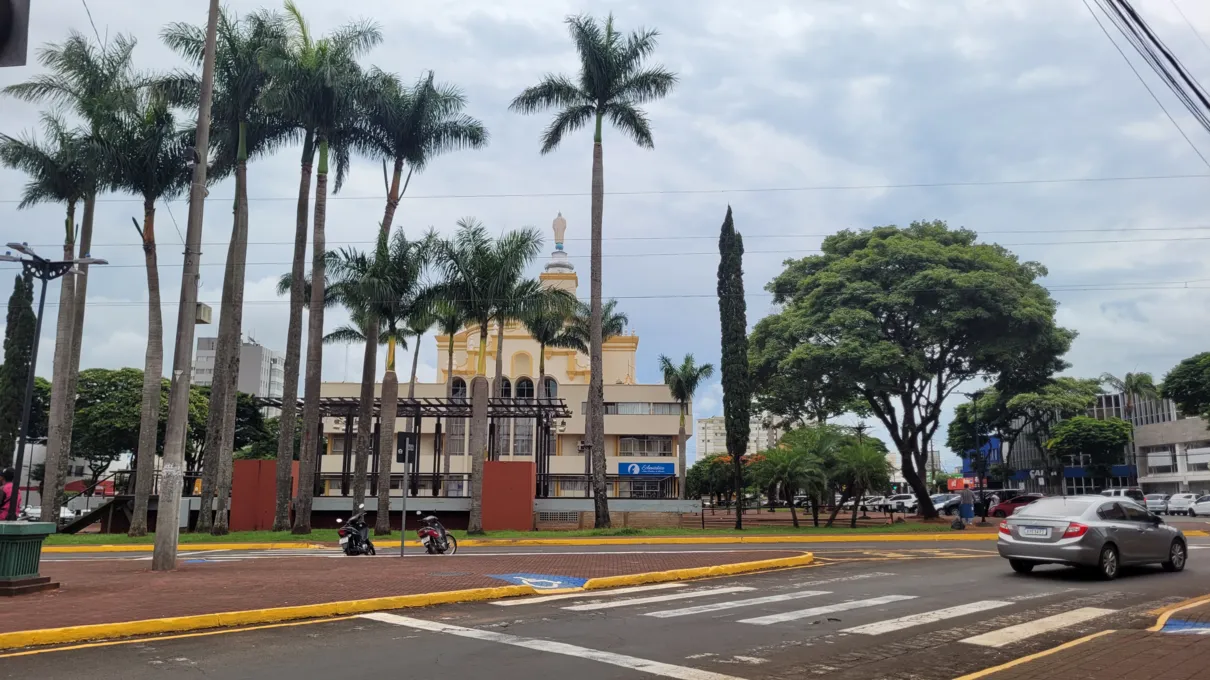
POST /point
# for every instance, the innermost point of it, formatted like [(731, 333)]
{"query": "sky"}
[(805, 116)]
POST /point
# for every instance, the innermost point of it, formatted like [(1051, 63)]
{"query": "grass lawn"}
[(329, 535)]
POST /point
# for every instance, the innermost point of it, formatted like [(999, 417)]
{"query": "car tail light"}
[(1075, 530), (1004, 528)]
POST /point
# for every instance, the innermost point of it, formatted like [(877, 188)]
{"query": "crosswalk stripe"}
[(658, 598), (892, 625), (587, 593), (1011, 634), (827, 609), (733, 604)]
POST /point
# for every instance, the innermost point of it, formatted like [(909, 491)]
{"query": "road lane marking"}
[(587, 593), (551, 647), (892, 625), (733, 604), (658, 598), (827, 609), (1011, 634)]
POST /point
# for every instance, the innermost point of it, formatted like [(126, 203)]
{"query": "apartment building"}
[(711, 435), (261, 370)]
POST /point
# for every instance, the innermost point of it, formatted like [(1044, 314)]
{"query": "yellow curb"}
[(1026, 659), (698, 572), (1167, 612), (1198, 533), (183, 547), (179, 624)]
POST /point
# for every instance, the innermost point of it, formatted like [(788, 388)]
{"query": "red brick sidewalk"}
[(113, 591)]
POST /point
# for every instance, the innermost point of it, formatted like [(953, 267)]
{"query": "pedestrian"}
[(8, 494), (993, 502), (966, 505)]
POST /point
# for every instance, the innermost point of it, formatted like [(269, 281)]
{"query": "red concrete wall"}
[(508, 495), (254, 493)]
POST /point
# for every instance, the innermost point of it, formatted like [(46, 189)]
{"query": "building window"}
[(637, 408), (525, 388), (504, 430), (645, 447), (550, 388), (506, 388), (524, 443), (459, 388), (455, 441)]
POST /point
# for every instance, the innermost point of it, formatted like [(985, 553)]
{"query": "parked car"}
[(941, 499), (1179, 503), (1090, 532), (1200, 507), (33, 513), (1005, 508), (873, 502), (1157, 503), (1134, 493), (902, 502)]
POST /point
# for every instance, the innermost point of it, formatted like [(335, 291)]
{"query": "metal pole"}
[(29, 402), (403, 492)]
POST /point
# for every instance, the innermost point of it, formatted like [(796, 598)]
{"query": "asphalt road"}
[(889, 611)]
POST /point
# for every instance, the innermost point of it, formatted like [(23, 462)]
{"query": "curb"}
[(183, 547), (183, 624)]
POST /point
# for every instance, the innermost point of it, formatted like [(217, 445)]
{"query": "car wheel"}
[(1192, 512), (999, 513), (1021, 566), (1176, 557), (1108, 565)]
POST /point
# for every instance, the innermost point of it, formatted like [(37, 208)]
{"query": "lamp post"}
[(44, 270)]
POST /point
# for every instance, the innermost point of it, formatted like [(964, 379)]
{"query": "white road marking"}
[(658, 598), (827, 609), (1011, 634), (551, 647), (892, 625), (587, 593), (733, 604), (1199, 547)]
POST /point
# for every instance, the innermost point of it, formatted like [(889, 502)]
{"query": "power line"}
[(1188, 23), (690, 192)]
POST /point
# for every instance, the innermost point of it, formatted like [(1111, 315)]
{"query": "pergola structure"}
[(545, 412)]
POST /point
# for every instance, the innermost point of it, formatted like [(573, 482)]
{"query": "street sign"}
[(406, 443), (542, 581), (647, 469), (14, 32)]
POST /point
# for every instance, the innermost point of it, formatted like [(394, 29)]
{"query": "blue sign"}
[(1187, 627), (652, 469), (542, 581)]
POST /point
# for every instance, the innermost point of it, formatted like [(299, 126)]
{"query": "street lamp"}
[(44, 270)]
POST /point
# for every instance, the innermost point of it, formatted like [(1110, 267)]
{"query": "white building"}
[(711, 435), (261, 370), (1173, 452)]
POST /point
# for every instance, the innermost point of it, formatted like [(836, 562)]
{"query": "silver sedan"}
[(1089, 531)]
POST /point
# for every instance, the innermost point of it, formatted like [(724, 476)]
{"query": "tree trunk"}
[(478, 451), (153, 381), (856, 502), (682, 458), (315, 332), (365, 411), (77, 329), (793, 511), (836, 509), (737, 469), (393, 196), (225, 360), (596, 381), (498, 380), (923, 504), (815, 512), (449, 393), (415, 365), (285, 421), (386, 445), (57, 454)]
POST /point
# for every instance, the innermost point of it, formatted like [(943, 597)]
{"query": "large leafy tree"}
[(904, 316), (14, 374), (316, 84), (241, 129), (613, 83), (733, 319), (682, 381), (1103, 441), (1188, 384)]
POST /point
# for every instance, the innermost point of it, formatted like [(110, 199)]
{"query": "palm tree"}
[(316, 85), (480, 275), (532, 298), (613, 83), (549, 328), (148, 159), (241, 129), (682, 382), (613, 323), (820, 444), (94, 82), (1135, 387), (449, 319), (789, 469), (863, 467)]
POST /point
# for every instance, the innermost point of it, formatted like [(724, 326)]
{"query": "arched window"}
[(525, 388), (550, 387), (459, 388), (506, 388)]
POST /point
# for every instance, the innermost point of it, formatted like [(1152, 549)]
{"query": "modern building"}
[(711, 435), (641, 420), (261, 370), (1173, 450)]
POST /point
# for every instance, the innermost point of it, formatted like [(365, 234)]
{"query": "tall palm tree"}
[(449, 319), (94, 82), (613, 83), (682, 382), (316, 85), (532, 298), (241, 129), (549, 328), (478, 273)]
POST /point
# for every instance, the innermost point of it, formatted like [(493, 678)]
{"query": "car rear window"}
[(1054, 507), (1155, 496)]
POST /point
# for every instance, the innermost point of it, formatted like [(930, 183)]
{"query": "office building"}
[(711, 435), (261, 370)]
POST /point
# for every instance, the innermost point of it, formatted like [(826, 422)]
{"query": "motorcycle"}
[(355, 534), (435, 539)]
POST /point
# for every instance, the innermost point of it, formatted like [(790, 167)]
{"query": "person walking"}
[(8, 494), (966, 506)]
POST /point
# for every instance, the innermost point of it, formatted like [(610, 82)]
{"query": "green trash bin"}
[(21, 555)]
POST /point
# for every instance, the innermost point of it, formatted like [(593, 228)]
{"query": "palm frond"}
[(345, 335), (647, 85), (553, 92), (564, 123), (632, 121)]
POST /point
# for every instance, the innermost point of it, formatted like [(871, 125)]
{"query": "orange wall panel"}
[(508, 495)]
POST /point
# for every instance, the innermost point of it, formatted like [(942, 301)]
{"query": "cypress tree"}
[(733, 319), (18, 340)]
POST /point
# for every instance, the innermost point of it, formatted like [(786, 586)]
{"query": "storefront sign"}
[(651, 469)]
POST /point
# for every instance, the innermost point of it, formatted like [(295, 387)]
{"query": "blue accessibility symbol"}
[(1187, 627), (542, 581)]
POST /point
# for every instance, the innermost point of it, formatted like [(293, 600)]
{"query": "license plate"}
[(344, 539), (426, 540), (1040, 532)]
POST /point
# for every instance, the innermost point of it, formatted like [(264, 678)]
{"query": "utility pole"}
[(172, 477)]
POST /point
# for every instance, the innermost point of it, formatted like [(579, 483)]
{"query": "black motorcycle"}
[(355, 534), (434, 537)]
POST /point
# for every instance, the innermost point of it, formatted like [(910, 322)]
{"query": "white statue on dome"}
[(560, 227)]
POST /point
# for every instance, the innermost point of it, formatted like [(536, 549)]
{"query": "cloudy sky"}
[(806, 116)]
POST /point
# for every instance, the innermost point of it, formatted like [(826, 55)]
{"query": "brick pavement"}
[(112, 591)]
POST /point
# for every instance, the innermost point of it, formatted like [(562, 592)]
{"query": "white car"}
[(33, 513), (1200, 507), (1179, 503), (904, 502)]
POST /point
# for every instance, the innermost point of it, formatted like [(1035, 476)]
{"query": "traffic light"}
[(14, 32)]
